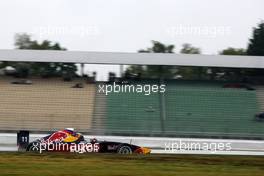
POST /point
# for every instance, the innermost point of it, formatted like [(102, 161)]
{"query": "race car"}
[(69, 141)]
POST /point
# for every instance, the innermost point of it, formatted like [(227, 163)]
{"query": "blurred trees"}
[(230, 73), (154, 71), (158, 47), (191, 72), (24, 41), (168, 72), (189, 49), (233, 51), (256, 48), (256, 43)]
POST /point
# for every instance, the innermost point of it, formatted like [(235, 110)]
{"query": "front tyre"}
[(124, 150)]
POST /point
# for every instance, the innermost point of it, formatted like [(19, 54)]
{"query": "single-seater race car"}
[(69, 141)]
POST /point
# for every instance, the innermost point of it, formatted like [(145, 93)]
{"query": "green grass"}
[(120, 165)]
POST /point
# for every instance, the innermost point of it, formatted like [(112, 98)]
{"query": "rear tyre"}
[(125, 150)]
